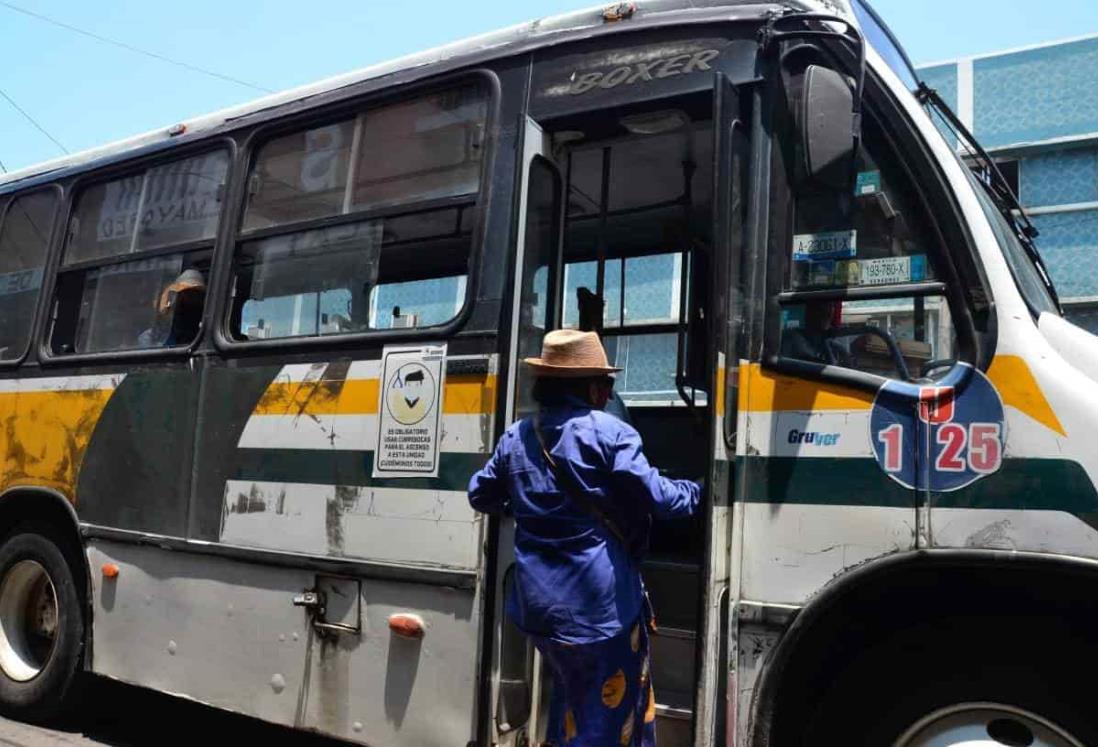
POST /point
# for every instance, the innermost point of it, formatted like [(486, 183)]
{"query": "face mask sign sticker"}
[(410, 411)]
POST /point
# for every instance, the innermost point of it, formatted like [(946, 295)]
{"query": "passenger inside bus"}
[(814, 341), (591, 308), (179, 312)]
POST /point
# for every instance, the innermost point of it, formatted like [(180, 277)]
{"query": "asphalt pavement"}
[(122, 716)]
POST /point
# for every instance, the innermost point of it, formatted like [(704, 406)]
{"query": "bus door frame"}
[(515, 669)]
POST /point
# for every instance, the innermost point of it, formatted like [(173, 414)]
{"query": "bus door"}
[(643, 260), (516, 676)]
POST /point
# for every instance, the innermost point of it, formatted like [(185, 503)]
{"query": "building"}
[(1035, 110)]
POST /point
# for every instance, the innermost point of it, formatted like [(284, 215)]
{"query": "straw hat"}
[(188, 280), (571, 354)]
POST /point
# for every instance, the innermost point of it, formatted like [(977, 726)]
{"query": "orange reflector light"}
[(110, 570), (406, 626)]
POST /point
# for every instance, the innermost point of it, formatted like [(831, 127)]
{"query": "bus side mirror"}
[(828, 130)]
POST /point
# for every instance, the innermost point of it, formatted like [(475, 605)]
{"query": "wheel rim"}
[(985, 725), (28, 620)]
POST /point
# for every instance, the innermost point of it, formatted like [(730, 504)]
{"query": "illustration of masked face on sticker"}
[(413, 388), (410, 394)]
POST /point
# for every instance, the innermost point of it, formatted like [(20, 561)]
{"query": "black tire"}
[(892, 685), (48, 694)]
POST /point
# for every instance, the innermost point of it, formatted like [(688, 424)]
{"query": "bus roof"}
[(508, 41)]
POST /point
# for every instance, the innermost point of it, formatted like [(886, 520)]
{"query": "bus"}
[(249, 362)]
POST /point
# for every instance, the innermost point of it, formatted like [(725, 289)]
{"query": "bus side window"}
[(119, 286), (415, 167), (24, 241), (878, 237)]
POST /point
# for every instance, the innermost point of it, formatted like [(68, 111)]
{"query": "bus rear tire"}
[(42, 625), (944, 685)]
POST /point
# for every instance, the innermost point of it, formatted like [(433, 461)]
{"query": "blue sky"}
[(86, 93)]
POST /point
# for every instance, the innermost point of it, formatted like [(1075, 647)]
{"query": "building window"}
[(1007, 167)]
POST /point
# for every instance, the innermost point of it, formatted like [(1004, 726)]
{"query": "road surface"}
[(121, 716)]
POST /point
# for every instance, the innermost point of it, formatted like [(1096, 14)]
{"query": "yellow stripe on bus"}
[(465, 395), (47, 435), (720, 388), (768, 391), (1018, 388)]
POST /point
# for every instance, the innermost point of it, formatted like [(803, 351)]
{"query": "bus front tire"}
[(1027, 677), (42, 625)]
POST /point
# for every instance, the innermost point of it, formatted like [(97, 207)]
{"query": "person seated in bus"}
[(583, 496), (814, 340), (179, 312), (590, 306)]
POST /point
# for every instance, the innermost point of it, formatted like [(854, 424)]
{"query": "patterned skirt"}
[(602, 692)]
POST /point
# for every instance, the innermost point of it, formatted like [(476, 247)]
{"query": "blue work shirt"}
[(573, 581)]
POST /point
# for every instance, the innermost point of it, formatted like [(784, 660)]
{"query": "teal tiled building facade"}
[(1036, 111)]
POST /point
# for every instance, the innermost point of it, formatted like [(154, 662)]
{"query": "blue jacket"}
[(574, 582)]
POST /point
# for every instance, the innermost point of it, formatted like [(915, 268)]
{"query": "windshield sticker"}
[(869, 182), (828, 245), (891, 270), (793, 318), (965, 433)]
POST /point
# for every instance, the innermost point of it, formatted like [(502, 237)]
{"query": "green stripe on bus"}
[(822, 481), (322, 467), (1033, 484)]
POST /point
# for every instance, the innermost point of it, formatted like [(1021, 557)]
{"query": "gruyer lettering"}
[(680, 64)]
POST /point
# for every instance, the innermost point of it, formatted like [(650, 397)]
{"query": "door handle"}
[(316, 604), (311, 600)]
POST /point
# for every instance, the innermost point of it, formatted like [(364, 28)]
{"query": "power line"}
[(32, 120), (131, 48), (3, 168)]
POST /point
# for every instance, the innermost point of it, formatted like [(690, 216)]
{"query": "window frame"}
[(41, 303), (223, 337), (960, 275), (57, 267)]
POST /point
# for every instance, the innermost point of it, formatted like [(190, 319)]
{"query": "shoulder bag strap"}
[(573, 491)]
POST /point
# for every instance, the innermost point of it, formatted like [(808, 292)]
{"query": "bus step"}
[(673, 726), (674, 588), (673, 666), (679, 714)]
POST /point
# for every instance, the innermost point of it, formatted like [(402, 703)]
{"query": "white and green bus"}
[(249, 362)]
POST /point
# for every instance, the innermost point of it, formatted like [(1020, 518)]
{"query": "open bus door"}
[(659, 246), (515, 676)]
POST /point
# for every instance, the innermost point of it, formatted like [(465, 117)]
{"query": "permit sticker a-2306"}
[(938, 438), (827, 245)]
